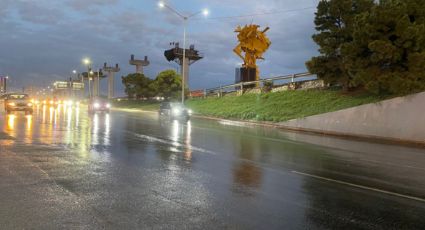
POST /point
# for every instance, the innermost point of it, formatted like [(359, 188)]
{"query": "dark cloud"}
[(89, 5), (54, 49), (34, 12)]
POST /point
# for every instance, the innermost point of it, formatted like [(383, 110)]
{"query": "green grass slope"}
[(279, 106)]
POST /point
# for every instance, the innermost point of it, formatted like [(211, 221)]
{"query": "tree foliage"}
[(335, 24), (167, 84), (137, 86), (376, 45), (388, 49)]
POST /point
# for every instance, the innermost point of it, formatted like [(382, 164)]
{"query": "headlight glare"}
[(176, 111)]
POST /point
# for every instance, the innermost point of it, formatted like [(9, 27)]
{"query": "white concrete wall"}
[(401, 118)]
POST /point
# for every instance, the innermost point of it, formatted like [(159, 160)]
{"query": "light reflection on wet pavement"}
[(131, 170)]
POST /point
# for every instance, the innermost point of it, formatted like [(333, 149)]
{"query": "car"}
[(174, 111), (71, 103), (18, 102), (51, 102), (98, 105)]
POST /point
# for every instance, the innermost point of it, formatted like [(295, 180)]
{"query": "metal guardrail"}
[(240, 86)]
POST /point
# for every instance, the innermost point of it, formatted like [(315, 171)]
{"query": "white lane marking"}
[(175, 144), (361, 186)]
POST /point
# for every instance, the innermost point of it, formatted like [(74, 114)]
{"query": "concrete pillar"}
[(139, 69), (186, 70), (111, 85), (96, 86), (111, 73)]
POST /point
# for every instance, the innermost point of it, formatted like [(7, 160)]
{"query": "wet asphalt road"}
[(63, 169)]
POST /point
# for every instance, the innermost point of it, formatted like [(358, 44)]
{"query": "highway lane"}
[(62, 168)]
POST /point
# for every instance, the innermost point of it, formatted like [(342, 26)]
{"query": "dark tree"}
[(138, 86), (168, 84), (388, 48), (335, 21)]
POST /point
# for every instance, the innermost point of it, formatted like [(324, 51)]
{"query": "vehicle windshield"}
[(177, 105), (18, 96)]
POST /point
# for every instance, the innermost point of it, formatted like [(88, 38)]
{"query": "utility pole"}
[(184, 59)]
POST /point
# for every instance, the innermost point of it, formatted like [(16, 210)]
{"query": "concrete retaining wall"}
[(399, 119)]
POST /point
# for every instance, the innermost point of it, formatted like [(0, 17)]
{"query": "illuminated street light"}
[(205, 12), (87, 62)]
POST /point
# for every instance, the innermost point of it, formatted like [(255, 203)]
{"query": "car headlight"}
[(176, 111), (51, 102), (29, 104), (11, 104), (108, 105), (69, 103), (96, 105), (189, 111)]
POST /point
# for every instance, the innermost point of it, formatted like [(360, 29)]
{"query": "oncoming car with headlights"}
[(175, 111), (99, 105), (18, 102), (71, 103)]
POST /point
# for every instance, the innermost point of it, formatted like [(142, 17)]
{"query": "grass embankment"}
[(142, 105), (279, 106)]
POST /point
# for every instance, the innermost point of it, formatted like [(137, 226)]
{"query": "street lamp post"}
[(5, 83), (185, 18), (74, 72), (97, 82), (89, 78), (87, 62)]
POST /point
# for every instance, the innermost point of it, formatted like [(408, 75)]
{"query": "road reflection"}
[(61, 125), (247, 172), (11, 122), (247, 175), (181, 137)]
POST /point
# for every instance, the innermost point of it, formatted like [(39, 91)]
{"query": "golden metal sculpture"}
[(254, 43)]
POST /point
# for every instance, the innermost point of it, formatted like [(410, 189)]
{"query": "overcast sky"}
[(44, 40)]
